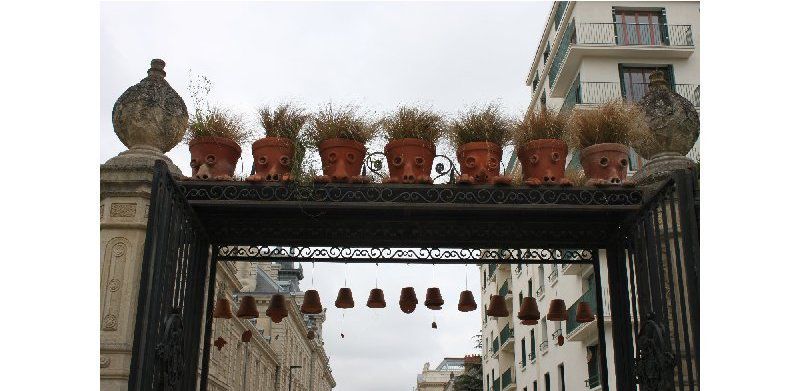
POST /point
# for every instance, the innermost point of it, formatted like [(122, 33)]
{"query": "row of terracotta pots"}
[(410, 161)]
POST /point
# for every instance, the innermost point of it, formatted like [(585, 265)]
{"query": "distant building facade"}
[(441, 377)]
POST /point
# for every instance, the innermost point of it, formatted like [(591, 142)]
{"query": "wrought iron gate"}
[(173, 281), (662, 264)]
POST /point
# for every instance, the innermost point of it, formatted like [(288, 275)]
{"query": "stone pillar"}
[(150, 119)]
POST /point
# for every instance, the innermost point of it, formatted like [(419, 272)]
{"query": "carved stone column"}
[(150, 118)]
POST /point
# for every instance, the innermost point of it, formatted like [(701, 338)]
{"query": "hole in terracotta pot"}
[(193, 164), (262, 160), (555, 156), (285, 161), (351, 157), (470, 162), (419, 160), (210, 159), (534, 159), (332, 157), (492, 163), (604, 161), (397, 161), (623, 162)]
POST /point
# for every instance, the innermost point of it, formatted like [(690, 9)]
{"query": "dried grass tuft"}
[(218, 122), (341, 122), (613, 122), (285, 121), (546, 124), (484, 124), (414, 122)]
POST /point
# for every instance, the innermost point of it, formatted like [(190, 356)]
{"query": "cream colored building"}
[(593, 52), (441, 377), (589, 53)]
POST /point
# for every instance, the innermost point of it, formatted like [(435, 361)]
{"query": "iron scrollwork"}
[(655, 360), (169, 353), (371, 254)]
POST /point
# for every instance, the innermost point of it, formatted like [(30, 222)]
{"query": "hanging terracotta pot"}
[(277, 309), (529, 311), (247, 308), (213, 158), (220, 343), (584, 313), (311, 302), (434, 325), (247, 335), (345, 298), (433, 299), (341, 161), (311, 334), (544, 162), (408, 300), (557, 311), (560, 340), (606, 164), (466, 302), (272, 158), (480, 164), (222, 309), (410, 160), (497, 306), (375, 299)]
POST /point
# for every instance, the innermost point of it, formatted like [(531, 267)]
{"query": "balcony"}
[(574, 269), (628, 40), (595, 93), (585, 331), (540, 292), (504, 291), (496, 385), (593, 382), (495, 346), (508, 381), (553, 277), (492, 270), (507, 338), (543, 347), (532, 357)]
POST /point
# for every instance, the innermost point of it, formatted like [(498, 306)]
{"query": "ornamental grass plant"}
[(218, 122), (414, 122), (346, 122), (544, 124), (286, 121), (481, 124), (613, 122)]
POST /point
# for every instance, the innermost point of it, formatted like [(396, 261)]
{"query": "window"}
[(543, 100), (541, 276), (530, 287), (545, 334), (535, 386), (488, 384), (636, 27), (562, 386), (635, 80), (484, 279), (533, 345), (546, 54), (593, 364), (547, 382), (524, 353), (520, 299), (535, 82)]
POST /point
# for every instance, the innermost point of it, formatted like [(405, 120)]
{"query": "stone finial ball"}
[(150, 113), (673, 120)]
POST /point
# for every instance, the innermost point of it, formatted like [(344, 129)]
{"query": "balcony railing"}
[(590, 297), (553, 274), (496, 385), (495, 345), (504, 289), (634, 34), (543, 346), (506, 334), (540, 292), (556, 334), (592, 92), (532, 356), (492, 269), (506, 379), (592, 382)]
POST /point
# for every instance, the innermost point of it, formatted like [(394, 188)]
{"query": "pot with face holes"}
[(543, 162), (480, 163), (410, 160), (272, 157), (341, 160), (605, 164), (213, 158)]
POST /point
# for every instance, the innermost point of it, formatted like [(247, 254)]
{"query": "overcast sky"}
[(377, 55)]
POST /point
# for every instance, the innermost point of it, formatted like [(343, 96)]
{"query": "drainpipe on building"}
[(244, 375)]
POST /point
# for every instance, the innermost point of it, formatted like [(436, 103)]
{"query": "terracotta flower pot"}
[(466, 302), (408, 300), (213, 158), (341, 161), (277, 309), (410, 160), (222, 309), (557, 311), (247, 335), (529, 311), (247, 308), (311, 302), (543, 162), (480, 163), (345, 298), (497, 306), (433, 299), (273, 159), (220, 343), (606, 164), (376, 299), (584, 313)]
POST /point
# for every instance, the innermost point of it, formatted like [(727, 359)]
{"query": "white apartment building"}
[(589, 53), (593, 52)]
